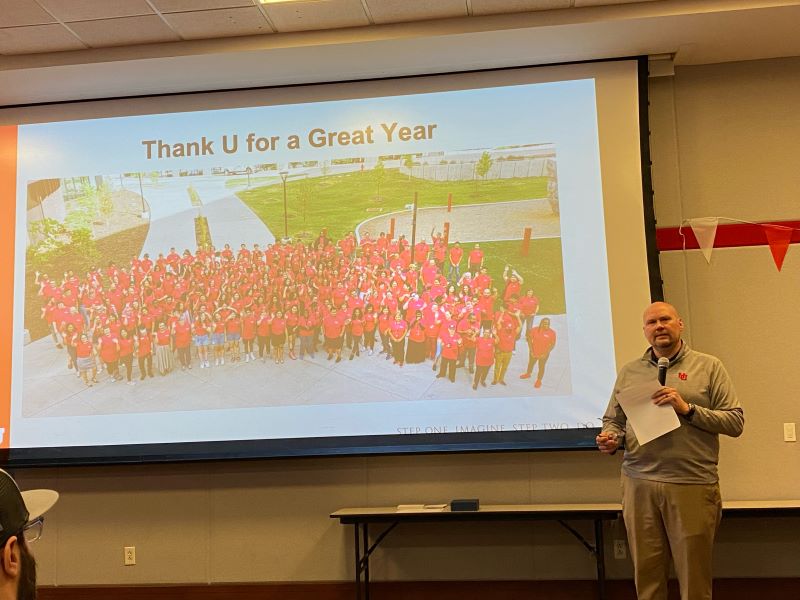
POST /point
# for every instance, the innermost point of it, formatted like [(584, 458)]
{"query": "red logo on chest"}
[(682, 376)]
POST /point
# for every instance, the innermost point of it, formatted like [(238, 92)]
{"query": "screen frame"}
[(506, 441)]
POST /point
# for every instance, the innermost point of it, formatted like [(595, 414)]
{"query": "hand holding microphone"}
[(663, 365), (668, 395)]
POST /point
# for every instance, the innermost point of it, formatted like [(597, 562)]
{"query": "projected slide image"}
[(308, 264), (426, 276)]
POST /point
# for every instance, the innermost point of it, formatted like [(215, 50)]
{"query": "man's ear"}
[(11, 558)]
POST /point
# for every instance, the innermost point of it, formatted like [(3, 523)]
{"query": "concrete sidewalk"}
[(232, 222), (489, 222), (172, 215), (50, 390), (176, 230)]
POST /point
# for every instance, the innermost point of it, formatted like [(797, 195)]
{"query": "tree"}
[(92, 203), (105, 200), (483, 165), (379, 174), (482, 168), (408, 163), (84, 208), (306, 188), (54, 242)]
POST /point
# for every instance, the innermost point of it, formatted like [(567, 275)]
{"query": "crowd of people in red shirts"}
[(434, 302)]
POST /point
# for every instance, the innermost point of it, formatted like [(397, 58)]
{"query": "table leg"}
[(357, 545), (367, 552), (600, 557)]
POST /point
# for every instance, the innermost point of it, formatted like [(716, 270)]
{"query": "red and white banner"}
[(778, 238), (705, 230)]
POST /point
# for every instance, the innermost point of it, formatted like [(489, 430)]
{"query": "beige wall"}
[(726, 142)]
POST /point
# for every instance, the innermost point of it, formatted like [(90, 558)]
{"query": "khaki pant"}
[(501, 360), (674, 519)]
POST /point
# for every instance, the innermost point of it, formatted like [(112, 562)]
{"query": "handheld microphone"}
[(663, 365)]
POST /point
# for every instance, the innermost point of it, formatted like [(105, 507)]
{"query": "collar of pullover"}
[(650, 357)]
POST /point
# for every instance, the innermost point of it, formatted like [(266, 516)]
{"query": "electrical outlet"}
[(620, 550), (129, 555), (789, 432)]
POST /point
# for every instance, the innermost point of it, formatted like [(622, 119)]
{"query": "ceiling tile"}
[(495, 7), (37, 38), (169, 6), (316, 14), (86, 10), (218, 23), (124, 32), (14, 13), (396, 11)]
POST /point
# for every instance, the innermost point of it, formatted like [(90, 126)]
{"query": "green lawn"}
[(340, 202), (541, 270), (235, 182)]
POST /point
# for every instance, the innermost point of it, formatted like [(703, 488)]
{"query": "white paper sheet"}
[(648, 420)]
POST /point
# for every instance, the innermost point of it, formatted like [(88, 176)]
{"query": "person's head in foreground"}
[(21, 520)]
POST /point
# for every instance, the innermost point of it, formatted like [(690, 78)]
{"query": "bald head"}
[(663, 328), (659, 306)]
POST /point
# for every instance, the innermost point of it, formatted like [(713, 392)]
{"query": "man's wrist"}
[(689, 412)]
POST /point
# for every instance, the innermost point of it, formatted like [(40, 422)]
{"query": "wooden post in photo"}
[(414, 227), (449, 202), (446, 232), (391, 228), (526, 242)]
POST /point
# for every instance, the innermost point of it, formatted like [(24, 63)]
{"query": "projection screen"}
[(440, 263)]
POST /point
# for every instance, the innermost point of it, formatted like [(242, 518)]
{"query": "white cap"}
[(39, 502)]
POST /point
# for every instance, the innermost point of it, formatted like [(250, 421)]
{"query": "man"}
[(506, 329), (20, 523), (670, 487), (421, 250), (451, 342), (333, 330), (468, 328), (454, 255), (475, 259), (513, 282)]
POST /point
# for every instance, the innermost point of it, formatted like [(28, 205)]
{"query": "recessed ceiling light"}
[(285, 1)]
